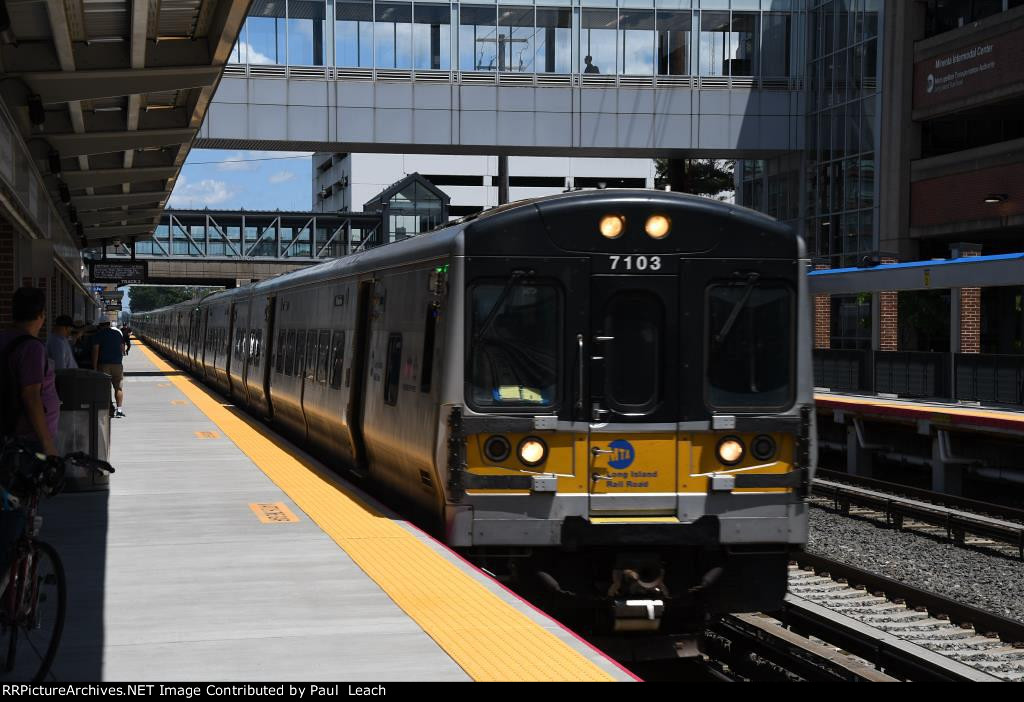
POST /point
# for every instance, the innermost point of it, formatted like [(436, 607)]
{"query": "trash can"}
[(84, 423)]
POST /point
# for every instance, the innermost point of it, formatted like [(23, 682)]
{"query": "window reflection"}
[(776, 45), (728, 45), (554, 40), (598, 41), (478, 43), (353, 38), (306, 32), (515, 39), (393, 35), (431, 36), (265, 29), (637, 30), (674, 43)]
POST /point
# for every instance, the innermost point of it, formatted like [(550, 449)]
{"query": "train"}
[(602, 397)]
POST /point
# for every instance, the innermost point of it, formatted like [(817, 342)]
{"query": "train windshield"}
[(750, 346), (513, 344)]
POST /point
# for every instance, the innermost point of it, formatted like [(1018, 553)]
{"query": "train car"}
[(604, 397)]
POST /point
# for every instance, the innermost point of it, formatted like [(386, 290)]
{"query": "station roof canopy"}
[(966, 272), (109, 96)]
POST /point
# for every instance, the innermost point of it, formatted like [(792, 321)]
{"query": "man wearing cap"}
[(108, 356), (58, 344)]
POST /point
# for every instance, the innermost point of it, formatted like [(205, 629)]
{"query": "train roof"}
[(483, 232)]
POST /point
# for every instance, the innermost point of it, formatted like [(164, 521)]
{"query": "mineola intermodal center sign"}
[(969, 70)]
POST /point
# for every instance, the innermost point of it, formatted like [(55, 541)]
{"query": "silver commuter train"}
[(604, 397)]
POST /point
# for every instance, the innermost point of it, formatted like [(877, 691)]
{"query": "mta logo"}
[(623, 456)]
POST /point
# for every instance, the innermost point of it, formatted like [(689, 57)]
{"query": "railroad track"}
[(962, 521), (908, 633)]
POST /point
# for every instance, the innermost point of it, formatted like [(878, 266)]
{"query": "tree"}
[(701, 176), (143, 298)]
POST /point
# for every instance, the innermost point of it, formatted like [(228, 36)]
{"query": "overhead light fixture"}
[(112, 108), (996, 198), (65, 193), (36, 113)]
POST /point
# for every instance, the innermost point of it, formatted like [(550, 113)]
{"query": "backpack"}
[(10, 395)]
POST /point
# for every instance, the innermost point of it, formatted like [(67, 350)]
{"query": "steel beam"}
[(115, 176), (110, 142), (970, 272), (86, 203), (90, 218), (118, 232), (64, 86)]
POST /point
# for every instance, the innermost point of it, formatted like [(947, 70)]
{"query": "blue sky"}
[(251, 180)]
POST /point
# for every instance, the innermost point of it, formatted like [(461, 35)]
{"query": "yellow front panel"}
[(698, 458), (561, 460), (636, 464)]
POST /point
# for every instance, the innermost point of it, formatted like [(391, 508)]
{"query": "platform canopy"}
[(967, 272), (108, 97)]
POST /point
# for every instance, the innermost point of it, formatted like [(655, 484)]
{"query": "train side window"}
[(324, 356), (300, 353), (289, 359), (279, 351), (429, 332), (394, 369), (257, 346), (311, 344), (337, 358)]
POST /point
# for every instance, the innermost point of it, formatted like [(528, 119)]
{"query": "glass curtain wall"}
[(712, 38), (841, 131)]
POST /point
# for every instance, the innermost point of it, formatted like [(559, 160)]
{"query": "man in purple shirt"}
[(29, 378)]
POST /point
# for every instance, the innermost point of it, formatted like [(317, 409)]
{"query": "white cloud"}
[(282, 177), (251, 55), (205, 193), (237, 163)]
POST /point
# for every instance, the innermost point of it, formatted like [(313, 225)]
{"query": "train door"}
[(358, 371), (633, 403), (268, 354)]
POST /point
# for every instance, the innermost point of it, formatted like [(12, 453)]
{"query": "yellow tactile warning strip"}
[(935, 409), (486, 636), (273, 512)]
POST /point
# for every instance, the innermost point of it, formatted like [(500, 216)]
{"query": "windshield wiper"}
[(723, 333), (516, 275)]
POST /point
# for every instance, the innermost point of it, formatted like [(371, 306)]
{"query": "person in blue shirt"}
[(58, 343), (108, 356)]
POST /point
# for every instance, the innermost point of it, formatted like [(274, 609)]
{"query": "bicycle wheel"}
[(43, 623)]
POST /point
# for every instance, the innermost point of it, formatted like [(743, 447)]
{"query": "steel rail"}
[(957, 522), (983, 622)]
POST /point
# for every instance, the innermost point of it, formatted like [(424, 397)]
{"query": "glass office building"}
[(711, 38)]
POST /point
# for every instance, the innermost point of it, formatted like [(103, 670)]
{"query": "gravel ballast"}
[(990, 582)]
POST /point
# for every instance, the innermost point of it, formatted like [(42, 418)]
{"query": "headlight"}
[(497, 449), (612, 226), (763, 447), (658, 226), (532, 451), (730, 451)]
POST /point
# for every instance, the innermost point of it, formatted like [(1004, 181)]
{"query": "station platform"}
[(224, 552), (942, 415)]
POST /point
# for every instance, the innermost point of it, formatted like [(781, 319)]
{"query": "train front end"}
[(632, 439)]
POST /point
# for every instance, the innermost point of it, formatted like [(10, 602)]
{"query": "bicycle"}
[(33, 591)]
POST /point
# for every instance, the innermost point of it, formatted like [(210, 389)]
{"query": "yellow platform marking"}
[(939, 411), (634, 520), (207, 435), (177, 402), (273, 512), (489, 638), (163, 385)]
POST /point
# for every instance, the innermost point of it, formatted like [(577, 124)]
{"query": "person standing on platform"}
[(108, 357), (58, 344), (31, 407)]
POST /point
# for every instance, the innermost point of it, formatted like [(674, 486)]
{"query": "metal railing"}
[(989, 378)]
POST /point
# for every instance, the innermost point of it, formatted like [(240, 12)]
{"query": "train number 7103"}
[(635, 263)]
